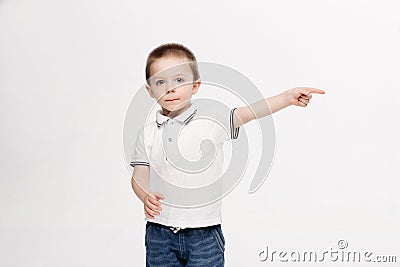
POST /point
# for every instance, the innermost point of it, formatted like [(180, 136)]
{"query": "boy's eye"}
[(179, 80), (159, 82)]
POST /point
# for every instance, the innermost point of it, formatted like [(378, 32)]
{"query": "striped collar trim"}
[(184, 117)]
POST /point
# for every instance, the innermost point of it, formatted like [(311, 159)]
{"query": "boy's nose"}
[(171, 89)]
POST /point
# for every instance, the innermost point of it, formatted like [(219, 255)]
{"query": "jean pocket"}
[(146, 237), (220, 237)]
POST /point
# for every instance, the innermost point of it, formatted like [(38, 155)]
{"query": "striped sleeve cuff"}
[(234, 132), (134, 163)]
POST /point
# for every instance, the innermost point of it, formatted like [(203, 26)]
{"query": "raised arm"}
[(298, 96)]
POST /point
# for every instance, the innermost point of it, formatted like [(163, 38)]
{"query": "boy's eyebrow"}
[(157, 77)]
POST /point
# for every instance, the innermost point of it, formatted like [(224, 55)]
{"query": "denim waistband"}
[(176, 229)]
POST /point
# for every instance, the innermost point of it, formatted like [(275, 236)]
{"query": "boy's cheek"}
[(159, 95)]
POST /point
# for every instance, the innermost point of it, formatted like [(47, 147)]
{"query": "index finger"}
[(159, 195), (314, 90), (154, 201)]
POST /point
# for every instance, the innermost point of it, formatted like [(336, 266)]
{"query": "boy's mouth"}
[(172, 99)]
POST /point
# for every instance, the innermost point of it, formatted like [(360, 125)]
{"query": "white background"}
[(68, 70)]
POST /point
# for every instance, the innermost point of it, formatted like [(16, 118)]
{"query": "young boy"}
[(180, 236)]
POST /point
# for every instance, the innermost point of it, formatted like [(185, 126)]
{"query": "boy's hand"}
[(152, 205), (300, 96)]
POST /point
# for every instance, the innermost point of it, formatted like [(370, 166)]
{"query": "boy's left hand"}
[(300, 96)]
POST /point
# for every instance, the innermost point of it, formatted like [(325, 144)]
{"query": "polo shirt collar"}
[(184, 117)]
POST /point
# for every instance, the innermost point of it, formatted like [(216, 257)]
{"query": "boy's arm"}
[(142, 172), (299, 96), (140, 185)]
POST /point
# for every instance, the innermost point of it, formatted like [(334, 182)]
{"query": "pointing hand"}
[(300, 96)]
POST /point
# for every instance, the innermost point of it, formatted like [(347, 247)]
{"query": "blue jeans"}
[(190, 247)]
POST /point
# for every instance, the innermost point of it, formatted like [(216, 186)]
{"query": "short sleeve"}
[(229, 132), (139, 155)]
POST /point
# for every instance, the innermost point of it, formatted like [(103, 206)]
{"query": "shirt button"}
[(169, 139)]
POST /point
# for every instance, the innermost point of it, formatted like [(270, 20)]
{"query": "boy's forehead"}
[(171, 66)]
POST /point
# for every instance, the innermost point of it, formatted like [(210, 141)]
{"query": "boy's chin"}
[(177, 106)]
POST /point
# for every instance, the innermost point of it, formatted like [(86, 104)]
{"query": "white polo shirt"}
[(149, 148)]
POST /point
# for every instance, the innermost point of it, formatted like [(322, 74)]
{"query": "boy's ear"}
[(149, 91), (196, 85)]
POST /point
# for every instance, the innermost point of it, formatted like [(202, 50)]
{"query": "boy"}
[(176, 236)]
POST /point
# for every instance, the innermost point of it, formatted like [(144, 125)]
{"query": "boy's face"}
[(171, 83)]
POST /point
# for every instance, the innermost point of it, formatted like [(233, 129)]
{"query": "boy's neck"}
[(174, 113)]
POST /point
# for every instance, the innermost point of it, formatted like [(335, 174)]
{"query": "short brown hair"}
[(172, 49)]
